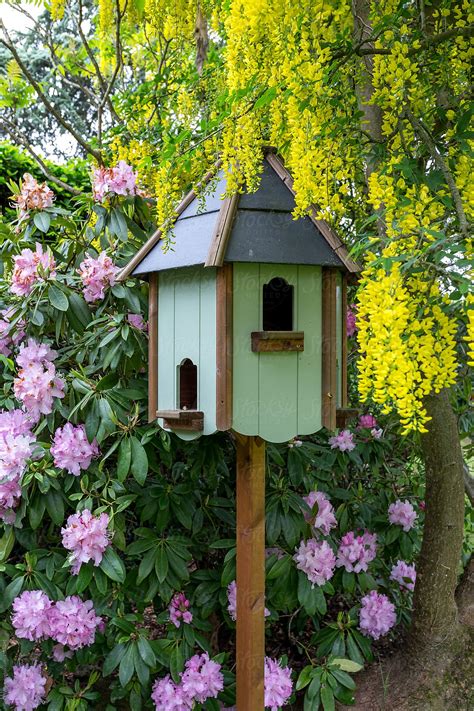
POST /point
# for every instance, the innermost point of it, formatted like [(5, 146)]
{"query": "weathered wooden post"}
[(247, 334)]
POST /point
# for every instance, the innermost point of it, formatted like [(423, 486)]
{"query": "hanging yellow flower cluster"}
[(470, 328), (57, 9)]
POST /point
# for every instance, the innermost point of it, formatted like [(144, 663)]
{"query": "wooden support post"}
[(153, 348), (250, 573)]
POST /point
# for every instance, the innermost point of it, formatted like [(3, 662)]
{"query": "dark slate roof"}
[(263, 230)]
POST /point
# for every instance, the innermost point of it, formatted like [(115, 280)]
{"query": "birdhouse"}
[(247, 314)]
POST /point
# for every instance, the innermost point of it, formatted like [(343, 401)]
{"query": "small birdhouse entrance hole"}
[(277, 305), (187, 385)]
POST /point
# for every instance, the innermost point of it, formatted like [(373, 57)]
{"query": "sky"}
[(14, 20)]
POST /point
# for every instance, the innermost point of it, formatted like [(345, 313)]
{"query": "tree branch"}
[(7, 42), (425, 136), (20, 137)]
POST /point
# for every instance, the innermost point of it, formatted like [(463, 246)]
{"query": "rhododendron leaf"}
[(279, 568), (124, 459), (57, 298), (346, 665), (315, 684), (142, 670), (7, 541), (327, 698), (126, 666), (146, 652), (55, 506), (84, 577), (177, 661), (344, 678), (113, 659), (79, 314), (36, 511), (353, 650), (118, 224), (139, 465), (42, 221), (12, 590), (304, 677), (113, 566), (161, 564)]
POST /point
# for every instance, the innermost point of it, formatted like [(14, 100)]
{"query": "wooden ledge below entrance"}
[(182, 419), (273, 341)]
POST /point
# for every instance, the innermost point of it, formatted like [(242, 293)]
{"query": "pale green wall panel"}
[(277, 395), (310, 360), (278, 372), (187, 329), (246, 300)]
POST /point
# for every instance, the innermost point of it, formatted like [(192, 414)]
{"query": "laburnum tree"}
[(368, 104)]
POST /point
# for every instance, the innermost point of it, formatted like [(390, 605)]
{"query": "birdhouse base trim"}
[(344, 415), (182, 419), (273, 341)]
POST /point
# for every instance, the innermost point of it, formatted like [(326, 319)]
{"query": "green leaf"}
[(304, 677), (55, 506), (78, 313), (266, 98), (118, 224), (346, 665), (113, 659), (327, 698), (126, 666), (42, 221), (7, 541), (113, 566), (84, 578), (161, 564), (146, 652), (12, 590), (139, 464), (344, 678), (57, 298), (124, 459)]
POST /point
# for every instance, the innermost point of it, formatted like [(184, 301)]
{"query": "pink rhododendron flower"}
[(31, 615), (232, 601), (275, 550), (30, 267), (14, 453), (317, 560), (202, 678), (324, 519), (278, 686), (60, 654), (26, 690), (120, 180), (72, 450), (376, 432), (33, 196), (377, 615), (367, 422), (137, 321), (344, 441), (179, 610), (10, 494), (97, 275), (402, 513), (168, 696), (15, 422), (404, 574), (87, 537), (351, 320), (356, 552), (74, 622), (37, 384)]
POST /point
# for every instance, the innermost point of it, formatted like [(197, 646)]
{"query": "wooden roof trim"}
[(157, 235), (326, 230), (220, 238)]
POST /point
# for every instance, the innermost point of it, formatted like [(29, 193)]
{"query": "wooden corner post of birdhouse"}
[(250, 572)]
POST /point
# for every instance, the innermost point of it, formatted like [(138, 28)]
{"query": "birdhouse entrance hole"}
[(187, 385), (277, 305)]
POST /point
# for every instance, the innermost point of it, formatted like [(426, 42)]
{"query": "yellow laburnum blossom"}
[(57, 9), (470, 328)]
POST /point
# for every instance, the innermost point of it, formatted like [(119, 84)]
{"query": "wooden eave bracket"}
[(274, 341), (192, 420)]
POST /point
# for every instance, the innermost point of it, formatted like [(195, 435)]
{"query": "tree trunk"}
[(435, 620)]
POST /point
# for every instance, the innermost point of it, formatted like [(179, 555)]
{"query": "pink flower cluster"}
[(368, 422), (351, 320), (344, 441), (120, 180), (30, 267), (137, 321), (317, 560), (37, 384), (87, 537), (404, 574), (179, 610), (70, 622), (201, 680), (322, 516), (26, 690), (33, 196), (278, 686), (16, 446), (10, 336), (377, 615), (356, 552), (232, 601), (72, 450), (96, 275), (402, 513)]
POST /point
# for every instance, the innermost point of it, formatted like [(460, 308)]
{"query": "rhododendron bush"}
[(117, 544)]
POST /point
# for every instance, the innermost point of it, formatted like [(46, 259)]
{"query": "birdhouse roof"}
[(253, 227)]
